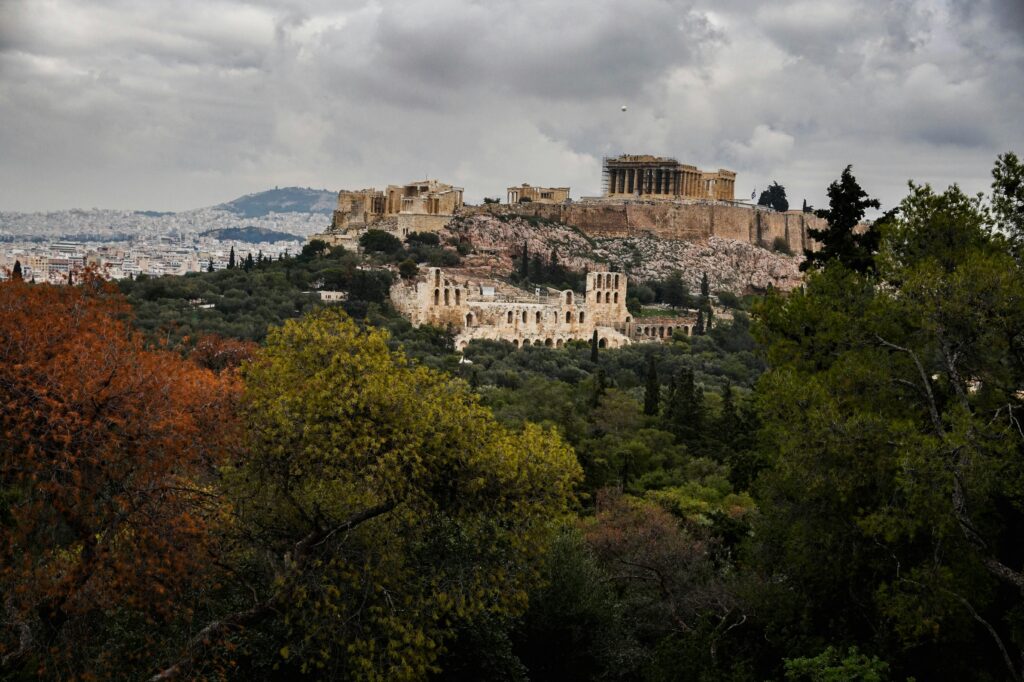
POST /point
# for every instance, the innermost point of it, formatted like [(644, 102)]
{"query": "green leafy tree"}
[(1008, 198), (652, 388), (380, 241), (774, 197), (894, 491), (675, 292), (408, 269), (386, 507), (839, 240)]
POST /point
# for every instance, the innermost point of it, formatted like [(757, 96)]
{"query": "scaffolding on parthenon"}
[(604, 176)]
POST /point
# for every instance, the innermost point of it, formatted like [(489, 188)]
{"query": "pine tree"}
[(593, 347), (16, 272), (231, 259), (652, 391), (847, 202)]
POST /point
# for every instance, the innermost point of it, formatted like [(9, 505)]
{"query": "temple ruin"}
[(422, 206), (545, 195), (656, 177)]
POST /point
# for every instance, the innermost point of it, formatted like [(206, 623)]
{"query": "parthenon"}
[(656, 177)]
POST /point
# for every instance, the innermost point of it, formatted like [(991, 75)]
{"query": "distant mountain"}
[(283, 200), (252, 235)]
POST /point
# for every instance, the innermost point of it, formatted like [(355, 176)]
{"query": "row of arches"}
[(510, 317), (609, 297), (606, 281), (447, 296), (551, 343), (658, 332)]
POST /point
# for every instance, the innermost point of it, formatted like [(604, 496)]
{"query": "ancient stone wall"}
[(675, 220)]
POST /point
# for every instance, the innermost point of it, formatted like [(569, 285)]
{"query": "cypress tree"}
[(705, 288), (231, 259), (599, 387), (71, 279), (524, 263), (698, 327), (249, 264), (711, 316), (16, 272), (652, 391), (684, 410), (593, 347), (209, 268)]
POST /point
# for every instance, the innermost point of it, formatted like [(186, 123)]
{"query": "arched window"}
[(510, 317), (616, 297), (686, 330), (437, 296), (603, 343), (524, 317), (616, 281), (458, 296), (469, 319), (598, 280), (558, 343), (628, 319), (668, 332), (548, 343), (581, 317), (661, 332), (568, 317), (538, 317), (568, 298), (446, 297), (537, 342), (515, 342), (437, 278), (607, 297)]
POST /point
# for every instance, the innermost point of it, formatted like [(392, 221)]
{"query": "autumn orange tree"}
[(105, 450)]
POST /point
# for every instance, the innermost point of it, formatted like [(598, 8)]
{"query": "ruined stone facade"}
[(423, 206), (478, 311), (543, 195), (656, 177)]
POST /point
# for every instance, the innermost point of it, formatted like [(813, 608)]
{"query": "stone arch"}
[(469, 319), (524, 317), (581, 317), (437, 296), (599, 281), (447, 300), (510, 317), (458, 296), (568, 298), (661, 332), (616, 297), (568, 317), (628, 319), (548, 342), (537, 342), (603, 343), (437, 278), (515, 342), (616, 281), (559, 343), (668, 332), (537, 317), (462, 345)]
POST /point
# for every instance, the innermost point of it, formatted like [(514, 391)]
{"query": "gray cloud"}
[(163, 104)]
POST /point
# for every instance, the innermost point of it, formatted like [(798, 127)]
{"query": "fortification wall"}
[(682, 221)]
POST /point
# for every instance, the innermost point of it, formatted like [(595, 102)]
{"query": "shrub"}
[(780, 245), (380, 241)]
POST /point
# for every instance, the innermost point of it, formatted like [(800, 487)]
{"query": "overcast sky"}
[(176, 104)]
